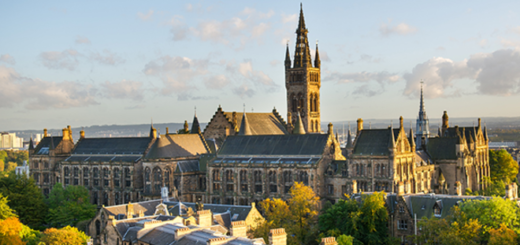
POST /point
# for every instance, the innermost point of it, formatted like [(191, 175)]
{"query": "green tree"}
[(11, 166), (502, 235), (503, 166), (25, 198), (5, 210), (69, 206), (491, 213), (345, 240)]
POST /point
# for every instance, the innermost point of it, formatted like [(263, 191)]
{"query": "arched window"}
[(229, 175), (96, 172), (148, 185), (106, 176), (157, 178), (66, 171), (36, 165), (272, 176), (76, 172), (117, 177), (294, 102), (287, 180), (243, 181), (167, 173), (117, 201), (216, 175), (304, 177), (105, 199), (98, 227)]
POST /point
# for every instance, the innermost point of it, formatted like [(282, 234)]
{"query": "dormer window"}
[(401, 209), (437, 209)]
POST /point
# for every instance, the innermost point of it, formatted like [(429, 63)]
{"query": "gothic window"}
[(98, 227), (106, 173), (216, 186), (258, 181), (147, 188), (66, 171), (76, 172), (216, 175), (202, 183), (85, 172), (116, 199), (46, 192), (357, 169), (304, 177), (272, 176), (95, 172), (95, 198), (330, 189), (127, 197), (243, 180), (36, 166), (287, 180), (36, 177), (294, 102), (46, 178), (167, 174), (157, 178), (45, 164), (229, 175), (273, 188), (105, 199), (344, 171), (117, 177)]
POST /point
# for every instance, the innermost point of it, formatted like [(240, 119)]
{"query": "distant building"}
[(502, 145), (10, 141), (23, 170)]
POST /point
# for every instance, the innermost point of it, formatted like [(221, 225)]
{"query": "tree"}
[(491, 213), (25, 198), (502, 235), (297, 215), (345, 240), (5, 210), (64, 236), (503, 166), (69, 206), (2, 165), (9, 231), (11, 166)]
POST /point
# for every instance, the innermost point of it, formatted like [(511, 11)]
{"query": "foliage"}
[(448, 231), (297, 215), (5, 210), (25, 198), (365, 221), (503, 166), (64, 236), (345, 240), (496, 188), (502, 235), (30, 236), (14, 156), (2, 165), (69, 206), (491, 213), (10, 166), (9, 231)]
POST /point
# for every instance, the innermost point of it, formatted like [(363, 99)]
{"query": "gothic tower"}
[(303, 82), (422, 125)]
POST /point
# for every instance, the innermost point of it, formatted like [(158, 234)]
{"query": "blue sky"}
[(125, 62)]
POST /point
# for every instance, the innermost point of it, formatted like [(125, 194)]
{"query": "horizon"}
[(82, 64)]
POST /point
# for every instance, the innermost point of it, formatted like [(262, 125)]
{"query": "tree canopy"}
[(5, 210), (64, 236), (68, 206), (9, 231), (503, 166)]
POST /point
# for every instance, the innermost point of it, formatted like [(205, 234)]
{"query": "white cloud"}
[(36, 94), (400, 29), (293, 18), (145, 16), (107, 58), (124, 90), (6, 58), (362, 77), (216, 82), (483, 43), (178, 28), (67, 59), (244, 90), (82, 40)]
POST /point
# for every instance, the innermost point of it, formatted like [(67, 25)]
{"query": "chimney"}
[(70, 131), (129, 210), (66, 135), (167, 131), (359, 125), (181, 232), (140, 214), (82, 134), (238, 229), (205, 218), (401, 122), (445, 122), (44, 132), (458, 188), (154, 133), (277, 237), (328, 241), (331, 129), (217, 240)]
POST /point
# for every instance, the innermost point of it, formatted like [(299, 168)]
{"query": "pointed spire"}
[(391, 141), (152, 135), (287, 57), (485, 133), (51, 147), (244, 126), (317, 61), (411, 139), (422, 111), (349, 140), (298, 127), (195, 126), (31, 144), (302, 54)]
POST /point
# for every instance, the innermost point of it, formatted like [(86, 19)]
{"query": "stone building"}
[(173, 161), (303, 82), (44, 158), (224, 124)]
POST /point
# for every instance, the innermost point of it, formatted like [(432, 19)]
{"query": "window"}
[(157, 180), (46, 178), (98, 227), (147, 186), (344, 172), (76, 182), (85, 172), (215, 200), (272, 176), (46, 192), (106, 177), (243, 181), (258, 176), (330, 189), (127, 197), (66, 171), (117, 176), (229, 187), (167, 173), (437, 211), (402, 224), (401, 209), (96, 172), (229, 175), (304, 177), (85, 182), (45, 164), (216, 187), (76, 171), (67, 181), (36, 165), (216, 175), (229, 201), (96, 182), (258, 188), (344, 189), (273, 188)]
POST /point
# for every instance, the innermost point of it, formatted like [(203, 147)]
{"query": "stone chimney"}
[(359, 125), (70, 131), (167, 130), (44, 132), (238, 229), (154, 133), (331, 129), (140, 214), (205, 218), (181, 232), (129, 210), (328, 241), (82, 134), (66, 134), (458, 188), (277, 237)]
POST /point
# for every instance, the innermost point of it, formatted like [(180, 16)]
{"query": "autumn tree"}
[(25, 198), (503, 166), (68, 206), (10, 231), (64, 236), (5, 210), (502, 235)]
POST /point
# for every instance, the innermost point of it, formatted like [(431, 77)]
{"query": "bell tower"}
[(303, 82)]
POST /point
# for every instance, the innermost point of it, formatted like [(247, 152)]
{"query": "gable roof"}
[(374, 142), (178, 145), (260, 123), (43, 147), (123, 145), (237, 212), (442, 148), (306, 144), (148, 208)]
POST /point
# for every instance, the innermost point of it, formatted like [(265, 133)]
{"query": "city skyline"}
[(78, 64)]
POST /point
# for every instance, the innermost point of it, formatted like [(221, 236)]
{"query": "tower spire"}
[(302, 55), (317, 61), (423, 124), (287, 57)]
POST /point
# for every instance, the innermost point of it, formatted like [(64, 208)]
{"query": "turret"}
[(422, 125), (195, 126), (244, 126), (317, 61), (411, 140), (298, 127), (331, 129), (287, 58), (445, 122), (82, 134), (31, 146), (302, 53)]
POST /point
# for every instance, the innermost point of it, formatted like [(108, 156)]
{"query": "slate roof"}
[(178, 145), (241, 211), (422, 157), (260, 123), (422, 205), (123, 145), (307, 144), (148, 208), (161, 235), (373, 142), (187, 166), (94, 158), (43, 147), (442, 148)]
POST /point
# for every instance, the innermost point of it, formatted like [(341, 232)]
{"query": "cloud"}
[(178, 28), (82, 40), (293, 18), (36, 94), (216, 82), (145, 16), (6, 58), (67, 59), (362, 77), (510, 43), (124, 90), (400, 29), (107, 58), (483, 43), (243, 90), (365, 90), (494, 73)]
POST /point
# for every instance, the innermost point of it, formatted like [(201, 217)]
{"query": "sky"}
[(129, 62)]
